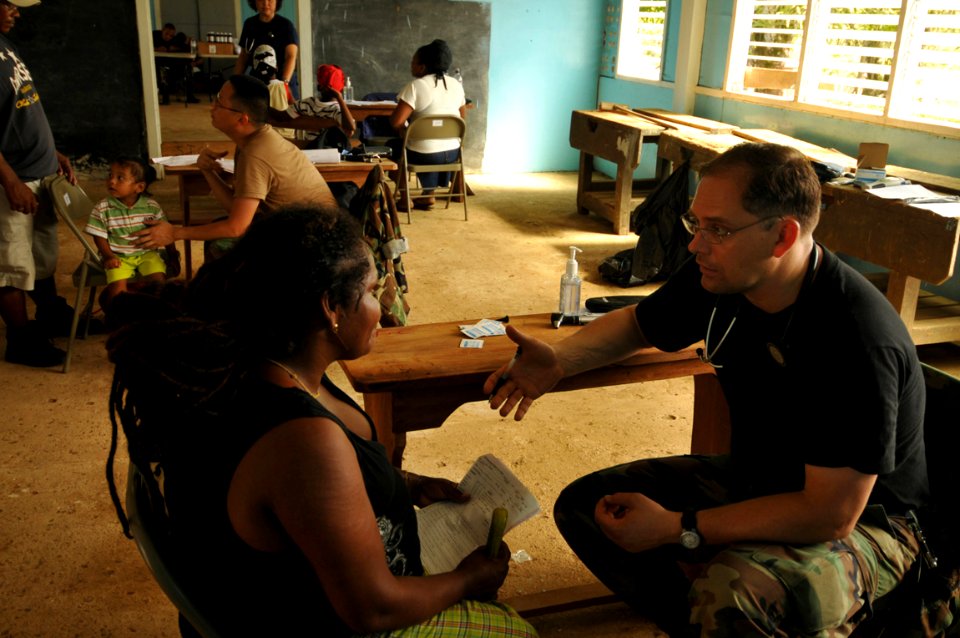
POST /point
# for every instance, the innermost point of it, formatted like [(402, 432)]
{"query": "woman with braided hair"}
[(280, 499), (432, 92)]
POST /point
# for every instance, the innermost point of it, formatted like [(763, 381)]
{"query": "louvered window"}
[(895, 59), (642, 25)]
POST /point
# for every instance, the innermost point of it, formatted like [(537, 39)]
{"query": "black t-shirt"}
[(278, 33), (264, 593), (850, 392)]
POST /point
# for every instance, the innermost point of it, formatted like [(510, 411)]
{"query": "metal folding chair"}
[(434, 127), (73, 208)]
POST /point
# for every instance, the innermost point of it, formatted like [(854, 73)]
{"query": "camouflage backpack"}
[(374, 208)]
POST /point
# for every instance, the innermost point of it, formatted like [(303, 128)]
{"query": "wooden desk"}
[(914, 243), (619, 138), (175, 55), (192, 183), (416, 376), (362, 111)]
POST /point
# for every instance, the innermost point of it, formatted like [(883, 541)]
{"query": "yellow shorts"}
[(146, 263)]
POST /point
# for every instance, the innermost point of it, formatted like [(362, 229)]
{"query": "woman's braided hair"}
[(181, 354)]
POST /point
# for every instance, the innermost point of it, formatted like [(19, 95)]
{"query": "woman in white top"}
[(432, 92)]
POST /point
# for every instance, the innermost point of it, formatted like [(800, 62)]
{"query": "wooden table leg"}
[(379, 406), (711, 416), (584, 181), (903, 292), (621, 199)]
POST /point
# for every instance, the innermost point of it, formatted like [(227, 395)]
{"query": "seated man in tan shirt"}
[(270, 171)]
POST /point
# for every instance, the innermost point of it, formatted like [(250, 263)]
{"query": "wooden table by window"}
[(416, 376), (619, 138), (192, 183)]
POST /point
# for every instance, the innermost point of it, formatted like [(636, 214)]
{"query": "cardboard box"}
[(872, 162), (215, 48)]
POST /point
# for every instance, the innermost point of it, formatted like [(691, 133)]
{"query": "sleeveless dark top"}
[(273, 593)]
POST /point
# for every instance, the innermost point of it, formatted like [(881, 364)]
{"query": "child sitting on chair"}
[(115, 218)]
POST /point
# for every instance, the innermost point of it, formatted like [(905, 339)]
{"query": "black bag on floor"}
[(662, 243)]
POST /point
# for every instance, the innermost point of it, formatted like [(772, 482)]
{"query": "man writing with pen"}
[(270, 171), (801, 528)]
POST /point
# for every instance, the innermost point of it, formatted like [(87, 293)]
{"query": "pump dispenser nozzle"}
[(570, 286)]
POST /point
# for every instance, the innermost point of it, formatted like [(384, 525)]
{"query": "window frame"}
[(620, 74), (815, 10)]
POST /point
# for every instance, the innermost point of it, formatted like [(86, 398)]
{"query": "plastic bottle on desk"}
[(570, 286), (348, 91)]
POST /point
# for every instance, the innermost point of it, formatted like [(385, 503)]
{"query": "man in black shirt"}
[(801, 527)]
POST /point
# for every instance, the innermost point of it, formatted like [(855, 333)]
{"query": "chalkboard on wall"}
[(84, 59), (374, 41)]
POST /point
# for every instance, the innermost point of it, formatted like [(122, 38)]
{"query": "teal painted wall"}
[(544, 63)]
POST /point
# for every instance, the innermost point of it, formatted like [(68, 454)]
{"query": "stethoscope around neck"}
[(704, 353), (776, 352)]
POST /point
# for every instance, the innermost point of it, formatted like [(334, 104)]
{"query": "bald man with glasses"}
[(270, 171), (802, 527)]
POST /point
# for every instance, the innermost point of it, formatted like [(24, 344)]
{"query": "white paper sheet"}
[(323, 155), (450, 531)]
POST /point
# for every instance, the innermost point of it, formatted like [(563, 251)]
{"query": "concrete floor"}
[(65, 568)]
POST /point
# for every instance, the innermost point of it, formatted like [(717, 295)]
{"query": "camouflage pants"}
[(745, 589)]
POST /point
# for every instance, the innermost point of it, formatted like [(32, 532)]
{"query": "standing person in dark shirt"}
[(28, 225), (802, 526), (269, 28)]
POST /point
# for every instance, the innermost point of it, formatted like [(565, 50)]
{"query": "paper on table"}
[(323, 155), (176, 160), (903, 192), (921, 197), (946, 209), (450, 531)]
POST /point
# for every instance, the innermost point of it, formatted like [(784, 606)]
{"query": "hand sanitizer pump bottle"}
[(570, 286), (348, 91)]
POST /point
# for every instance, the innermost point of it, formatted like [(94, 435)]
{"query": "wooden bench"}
[(617, 134)]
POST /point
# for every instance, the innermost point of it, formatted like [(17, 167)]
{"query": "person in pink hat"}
[(28, 225)]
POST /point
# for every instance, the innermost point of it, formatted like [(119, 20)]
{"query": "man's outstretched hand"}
[(534, 372)]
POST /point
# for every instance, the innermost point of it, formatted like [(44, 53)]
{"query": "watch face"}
[(689, 539)]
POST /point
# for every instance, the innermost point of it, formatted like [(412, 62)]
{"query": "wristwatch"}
[(689, 534)]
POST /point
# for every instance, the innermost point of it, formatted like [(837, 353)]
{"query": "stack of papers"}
[(921, 197), (484, 328), (316, 156)]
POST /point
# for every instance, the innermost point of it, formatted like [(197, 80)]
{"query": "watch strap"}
[(688, 520)]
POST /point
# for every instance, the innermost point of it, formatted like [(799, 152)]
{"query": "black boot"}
[(30, 346), (55, 316)]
